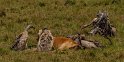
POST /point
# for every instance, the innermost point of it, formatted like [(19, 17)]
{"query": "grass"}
[(62, 17)]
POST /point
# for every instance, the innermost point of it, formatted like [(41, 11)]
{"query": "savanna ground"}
[(62, 17)]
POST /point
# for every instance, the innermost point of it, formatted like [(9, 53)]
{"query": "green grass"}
[(62, 17)]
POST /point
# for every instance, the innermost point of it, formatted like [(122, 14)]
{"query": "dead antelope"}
[(63, 43), (21, 39), (60, 43)]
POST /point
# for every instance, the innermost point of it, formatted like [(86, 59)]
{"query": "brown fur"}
[(62, 43)]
